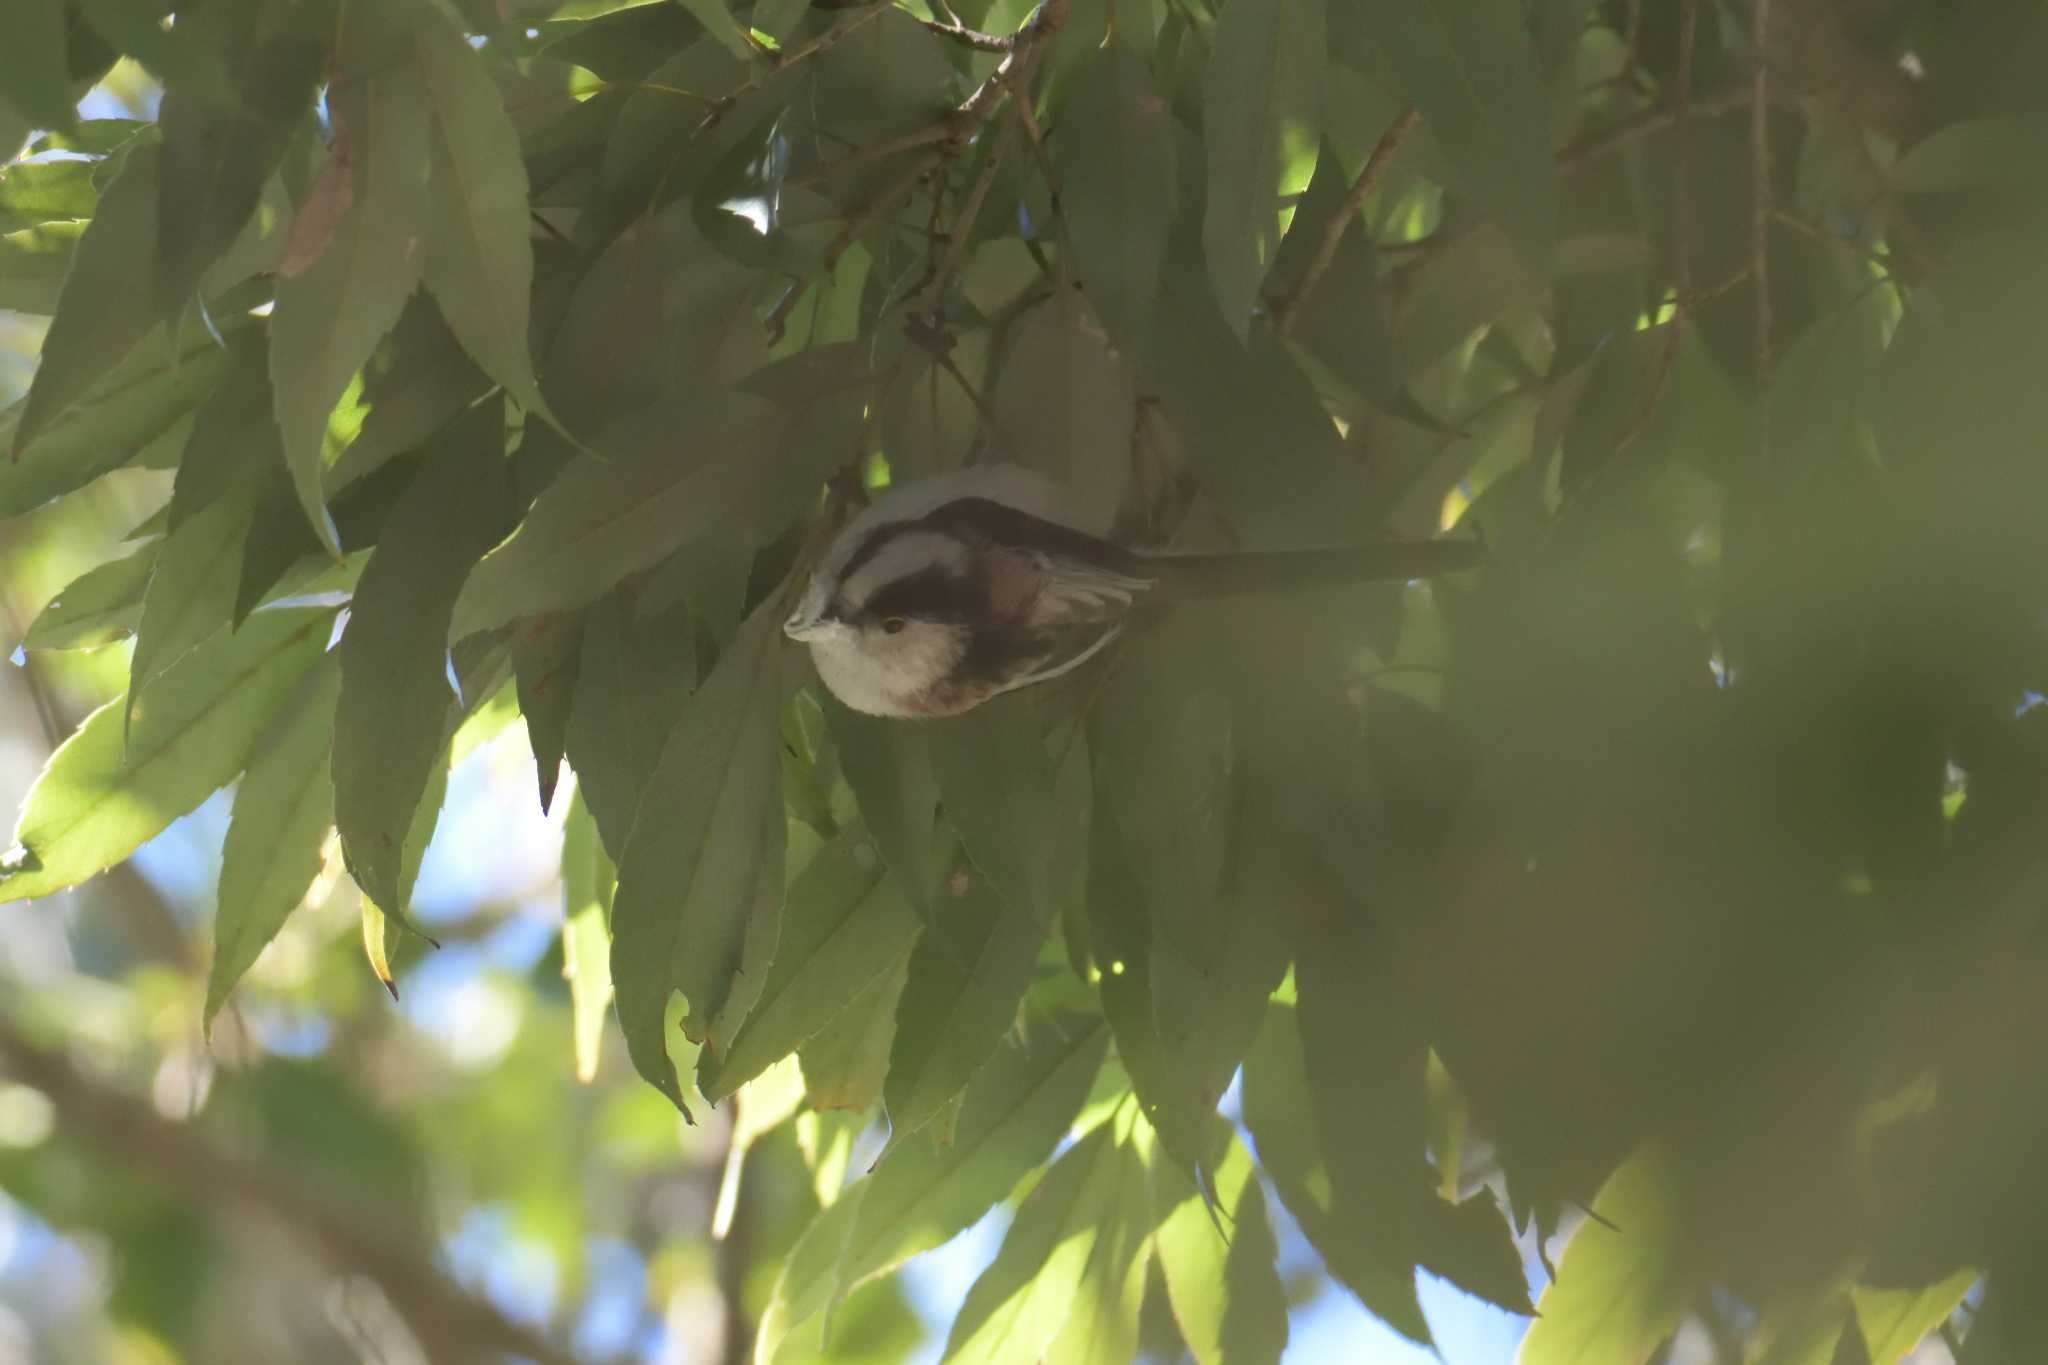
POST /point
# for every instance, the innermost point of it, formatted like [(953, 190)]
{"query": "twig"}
[(960, 33), (970, 209), (979, 106), (1028, 121), (450, 1323), (1760, 221), (1650, 121), (1333, 231), (1808, 230)]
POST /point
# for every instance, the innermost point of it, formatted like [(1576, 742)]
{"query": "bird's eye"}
[(894, 625)]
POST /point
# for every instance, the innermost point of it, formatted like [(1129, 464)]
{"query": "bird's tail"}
[(1237, 572)]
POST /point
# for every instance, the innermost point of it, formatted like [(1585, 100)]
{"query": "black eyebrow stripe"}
[(930, 594)]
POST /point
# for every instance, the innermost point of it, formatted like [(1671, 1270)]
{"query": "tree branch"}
[(451, 1323), (1760, 220), (980, 42), (1333, 231)]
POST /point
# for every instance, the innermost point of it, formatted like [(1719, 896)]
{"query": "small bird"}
[(949, 591)]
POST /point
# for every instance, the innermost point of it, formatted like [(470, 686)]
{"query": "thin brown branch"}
[(1652, 120), (1354, 202), (1805, 229), (1028, 121), (974, 38), (451, 1324), (1760, 220), (955, 240)]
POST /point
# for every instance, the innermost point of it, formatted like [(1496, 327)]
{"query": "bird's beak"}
[(803, 627)]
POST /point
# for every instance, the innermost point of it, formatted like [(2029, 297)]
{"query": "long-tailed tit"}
[(947, 592)]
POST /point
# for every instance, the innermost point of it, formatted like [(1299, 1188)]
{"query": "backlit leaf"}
[(283, 811), (843, 927), (1622, 1284), (1018, 1106), (844, 1062), (1247, 1322), (1895, 1321), (1070, 1245), (90, 808), (587, 885), (100, 606), (104, 308)]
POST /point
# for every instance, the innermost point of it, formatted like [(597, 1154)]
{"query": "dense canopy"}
[(425, 413)]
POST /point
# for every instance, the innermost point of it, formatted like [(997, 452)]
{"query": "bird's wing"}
[(1066, 647), (1044, 574)]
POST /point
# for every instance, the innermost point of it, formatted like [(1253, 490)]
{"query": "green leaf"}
[(220, 146), (99, 607), (416, 380), (1189, 903), (33, 264), (844, 1063), (1067, 405), (1116, 166), (661, 479), (632, 678), (1896, 1321), (803, 1287), (716, 16), (1017, 1108), (1971, 153), (121, 422), (588, 881), (889, 767), (1247, 1322), (997, 784), (395, 712), (1279, 1112), (968, 974), (191, 591), (1623, 1284), (1471, 69), (1069, 1254), (330, 316), (106, 305), (89, 809), (479, 261), (33, 63), (1367, 1053), (545, 655), (1261, 102), (700, 890), (37, 192), (283, 810), (844, 926)]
